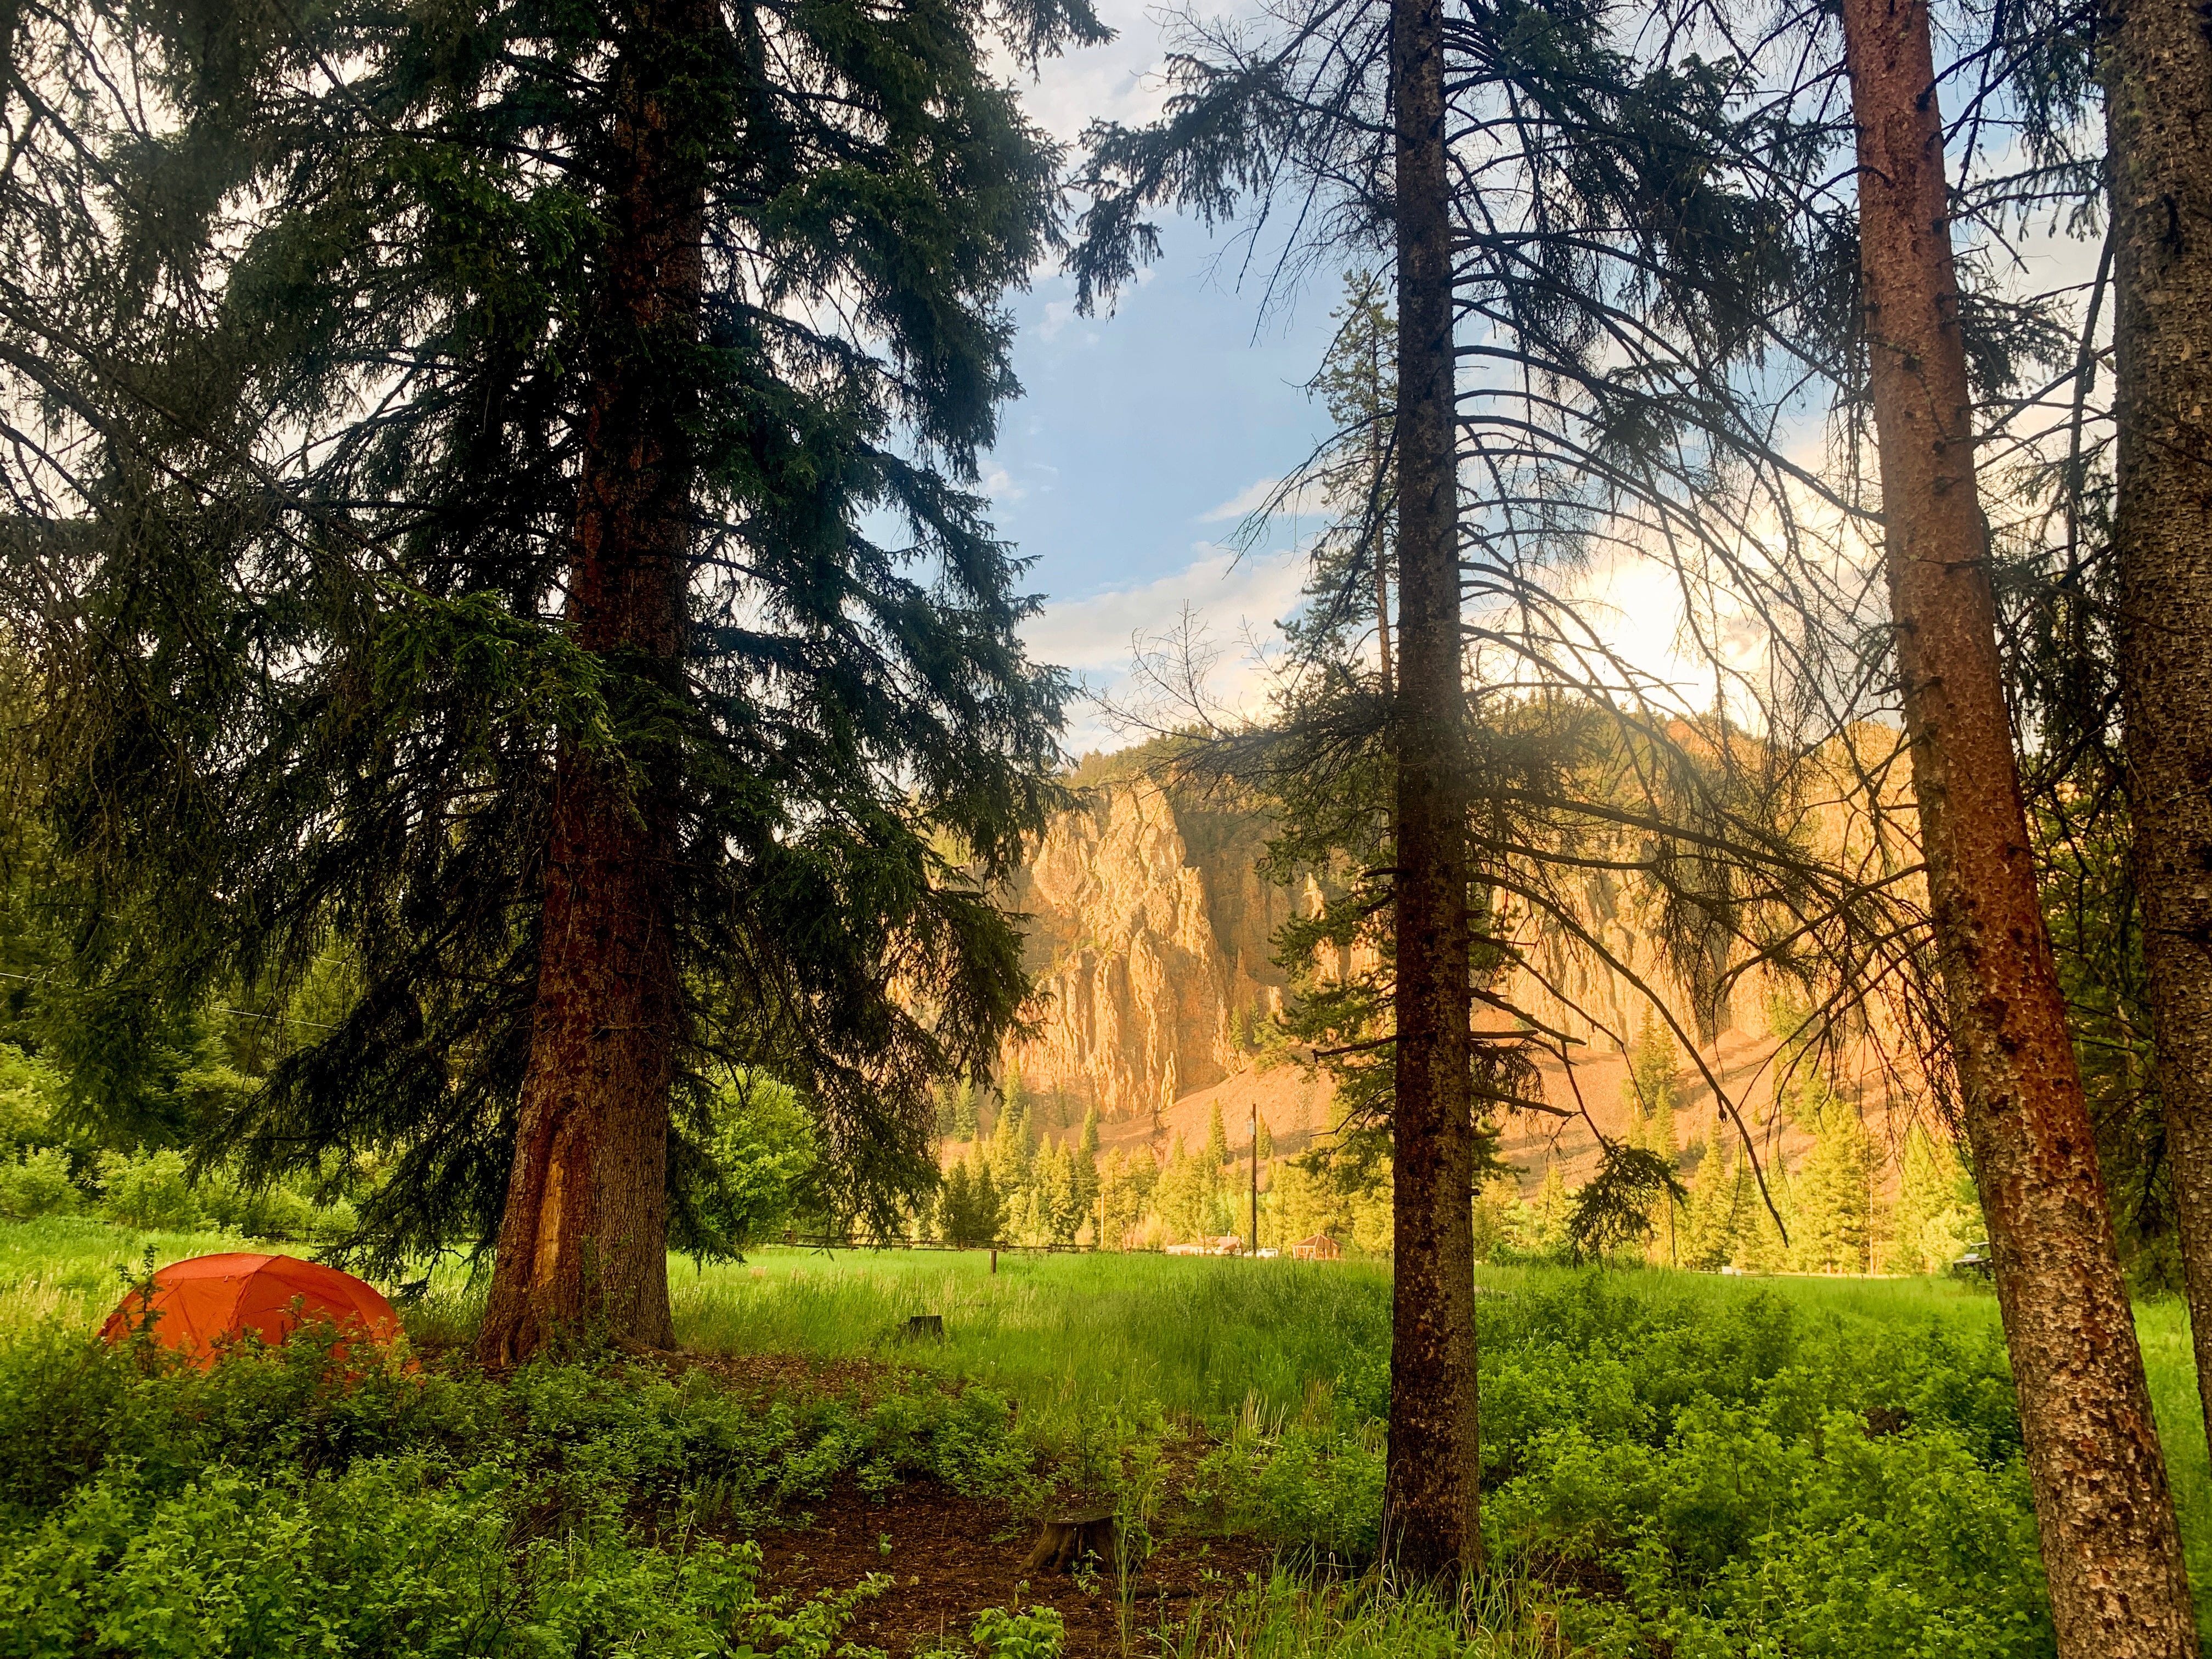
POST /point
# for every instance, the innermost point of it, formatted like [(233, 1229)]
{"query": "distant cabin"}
[(1319, 1247)]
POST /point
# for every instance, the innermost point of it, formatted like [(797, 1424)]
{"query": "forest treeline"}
[(1017, 1173)]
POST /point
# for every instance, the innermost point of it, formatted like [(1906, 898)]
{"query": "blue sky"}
[(1118, 471), (1130, 462), (1121, 471)]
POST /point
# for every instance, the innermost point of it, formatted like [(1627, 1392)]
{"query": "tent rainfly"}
[(200, 1304)]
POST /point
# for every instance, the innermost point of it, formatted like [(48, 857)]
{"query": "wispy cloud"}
[(1305, 499), (1095, 632), (1057, 313), (1233, 602), (1121, 81)]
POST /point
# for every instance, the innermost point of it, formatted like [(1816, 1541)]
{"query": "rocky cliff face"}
[(1148, 931)]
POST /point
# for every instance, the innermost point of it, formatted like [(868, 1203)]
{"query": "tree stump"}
[(926, 1328), (1067, 1539)]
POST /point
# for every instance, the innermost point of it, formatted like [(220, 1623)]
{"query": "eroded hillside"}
[(1150, 932)]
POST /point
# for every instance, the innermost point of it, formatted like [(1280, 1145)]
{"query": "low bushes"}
[(37, 1183), (1702, 1476), (1670, 1468), (273, 1505), (395, 1554)]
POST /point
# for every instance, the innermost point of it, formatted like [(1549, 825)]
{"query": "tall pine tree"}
[(1524, 176), (502, 501), (2157, 70), (1834, 1221), (2111, 1547)]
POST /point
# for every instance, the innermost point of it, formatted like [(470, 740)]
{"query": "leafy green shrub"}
[(761, 1146), (70, 1406), (1736, 1539), (1760, 1482), (278, 1503), (1318, 1488), (61, 1396), (1757, 1479), (38, 1184), (1363, 1385), (274, 1211), (966, 1439), (148, 1190), (392, 1554), (30, 1089), (1530, 1390), (730, 1460), (810, 1629), (1039, 1633)]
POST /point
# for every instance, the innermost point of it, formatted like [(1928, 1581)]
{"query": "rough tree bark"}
[(1429, 1513), (583, 1242), (2104, 1515), (1380, 542), (2158, 112)]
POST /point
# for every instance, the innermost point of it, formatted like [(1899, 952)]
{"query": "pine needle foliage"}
[(301, 317), (1614, 1209)]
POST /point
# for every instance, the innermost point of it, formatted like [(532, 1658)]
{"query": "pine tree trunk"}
[(2158, 112), (2104, 1517), (1377, 538), (1430, 1500), (583, 1241)]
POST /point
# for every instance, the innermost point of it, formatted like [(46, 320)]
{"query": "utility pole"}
[(1255, 1180)]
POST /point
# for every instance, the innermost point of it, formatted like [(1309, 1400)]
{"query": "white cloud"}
[(1095, 632), (1632, 599), (1306, 499), (998, 484), (1233, 605), (1688, 634), (1057, 313), (1121, 81)]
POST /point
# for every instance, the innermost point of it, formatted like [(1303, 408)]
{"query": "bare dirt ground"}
[(948, 1556), (951, 1557)]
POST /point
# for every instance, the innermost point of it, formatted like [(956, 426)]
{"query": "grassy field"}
[(1201, 1335), (1192, 1335), (1257, 1384)]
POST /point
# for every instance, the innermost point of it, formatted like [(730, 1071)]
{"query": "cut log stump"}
[(926, 1328), (1067, 1539)]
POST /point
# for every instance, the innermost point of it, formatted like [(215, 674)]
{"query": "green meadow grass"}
[(1287, 1617), (1200, 1336), (1074, 1338), (71, 1270), (1195, 1336)]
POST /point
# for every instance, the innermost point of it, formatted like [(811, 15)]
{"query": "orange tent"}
[(197, 1304)]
